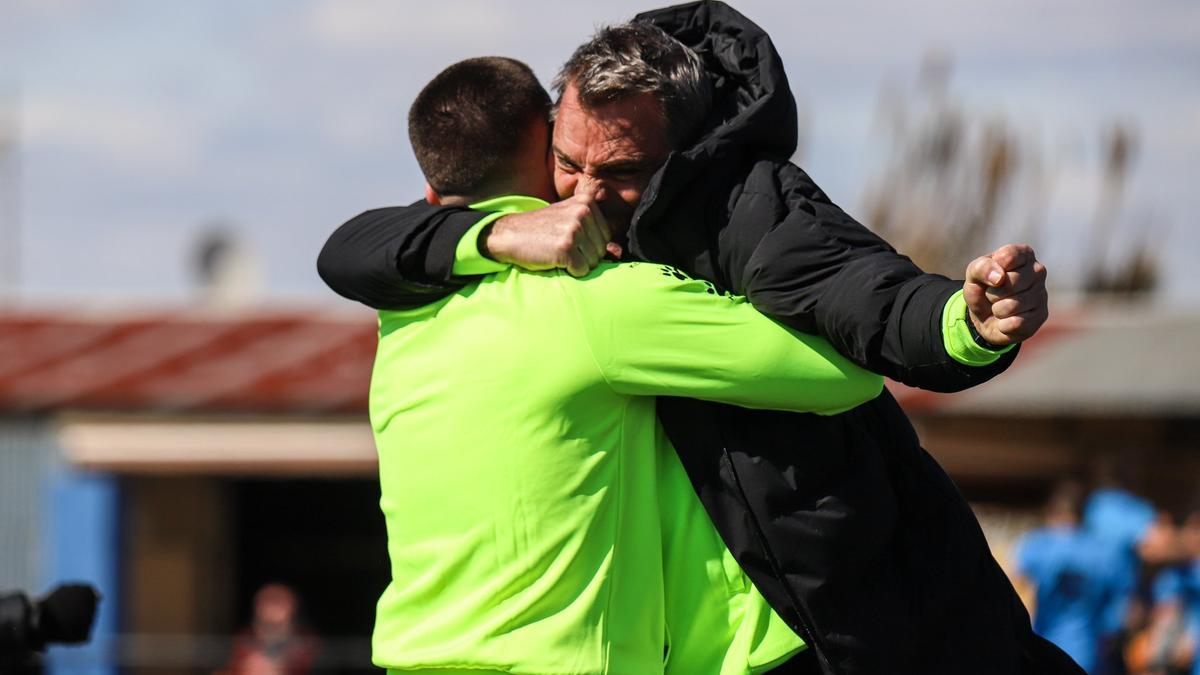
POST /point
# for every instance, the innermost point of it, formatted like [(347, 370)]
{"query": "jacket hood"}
[(754, 112), (753, 106)]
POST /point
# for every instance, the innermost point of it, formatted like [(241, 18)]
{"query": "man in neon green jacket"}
[(538, 521)]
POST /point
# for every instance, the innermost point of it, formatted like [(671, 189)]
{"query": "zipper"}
[(801, 628)]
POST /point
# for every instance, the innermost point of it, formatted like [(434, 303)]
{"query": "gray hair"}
[(640, 58)]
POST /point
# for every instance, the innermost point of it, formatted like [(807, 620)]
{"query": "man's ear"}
[(432, 196)]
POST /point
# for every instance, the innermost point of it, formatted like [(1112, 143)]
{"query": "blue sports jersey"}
[(1120, 519), (1074, 575), (1117, 515), (1182, 585)]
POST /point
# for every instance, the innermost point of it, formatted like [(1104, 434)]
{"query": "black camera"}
[(27, 627)]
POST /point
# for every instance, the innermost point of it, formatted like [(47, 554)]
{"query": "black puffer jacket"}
[(852, 532)]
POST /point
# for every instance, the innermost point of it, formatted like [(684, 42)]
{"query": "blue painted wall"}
[(83, 544)]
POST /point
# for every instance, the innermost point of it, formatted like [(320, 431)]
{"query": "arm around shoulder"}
[(396, 257), (655, 331)]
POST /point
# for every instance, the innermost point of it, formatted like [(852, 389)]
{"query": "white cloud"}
[(135, 135), (859, 32), (1181, 130), (383, 24), (362, 129), (1075, 189)]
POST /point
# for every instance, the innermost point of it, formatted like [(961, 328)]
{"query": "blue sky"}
[(143, 121)]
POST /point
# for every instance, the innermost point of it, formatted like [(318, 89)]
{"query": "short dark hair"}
[(641, 58), (1066, 499), (467, 124)]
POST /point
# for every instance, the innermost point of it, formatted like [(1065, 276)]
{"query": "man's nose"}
[(591, 186)]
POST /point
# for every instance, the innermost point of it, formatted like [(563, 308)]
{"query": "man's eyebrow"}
[(627, 164), (564, 157)]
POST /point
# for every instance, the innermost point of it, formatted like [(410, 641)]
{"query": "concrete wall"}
[(27, 453)]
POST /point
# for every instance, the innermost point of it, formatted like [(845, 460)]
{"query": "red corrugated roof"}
[(277, 362), (319, 362)]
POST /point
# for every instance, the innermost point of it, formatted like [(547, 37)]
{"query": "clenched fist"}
[(1006, 294), (570, 234)]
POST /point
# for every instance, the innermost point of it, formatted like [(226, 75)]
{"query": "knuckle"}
[(995, 295), (976, 267)]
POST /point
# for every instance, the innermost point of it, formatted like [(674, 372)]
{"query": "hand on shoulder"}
[(571, 235)]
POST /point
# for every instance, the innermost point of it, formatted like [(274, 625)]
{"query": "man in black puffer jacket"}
[(851, 531)]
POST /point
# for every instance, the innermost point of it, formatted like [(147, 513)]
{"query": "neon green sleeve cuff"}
[(956, 335), (468, 261)]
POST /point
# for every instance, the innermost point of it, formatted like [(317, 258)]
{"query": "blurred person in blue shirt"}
[(1176, 624), (1074, 574), (1138, 535), (1122, 521)]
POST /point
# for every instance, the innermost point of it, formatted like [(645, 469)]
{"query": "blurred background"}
[(182, 402)]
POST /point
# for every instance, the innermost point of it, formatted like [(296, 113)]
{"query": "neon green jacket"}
[(516, 433)]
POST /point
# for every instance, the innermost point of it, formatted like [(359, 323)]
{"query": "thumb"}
[(985, 272)]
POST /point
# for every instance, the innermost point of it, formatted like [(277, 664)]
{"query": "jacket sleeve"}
[(681, 337), (819, 271), (396, 257)]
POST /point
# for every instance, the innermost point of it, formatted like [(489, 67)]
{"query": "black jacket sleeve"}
[(815, 268), (396, 257)]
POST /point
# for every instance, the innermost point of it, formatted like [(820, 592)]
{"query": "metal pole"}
[(10, 198)]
